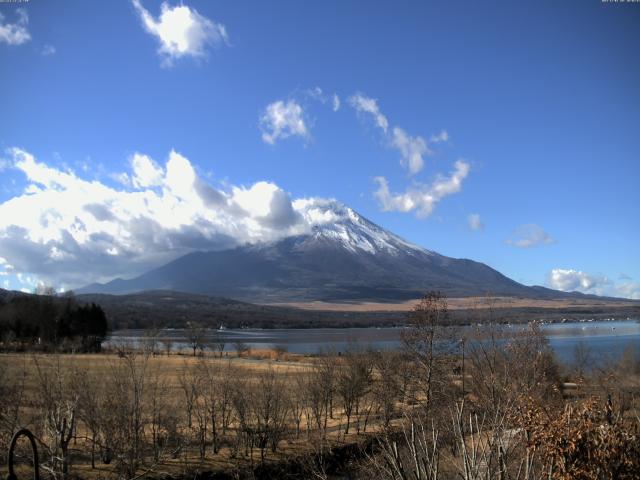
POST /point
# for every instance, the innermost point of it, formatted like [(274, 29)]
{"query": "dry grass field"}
[(466, 303), (271, 414), (185, 389)]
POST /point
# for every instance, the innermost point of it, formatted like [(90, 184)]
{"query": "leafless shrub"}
[(58, 402), (427, 341), (124, 418), (12, 402), (218, 343), (241, 348), (195, 336), (353, 383)]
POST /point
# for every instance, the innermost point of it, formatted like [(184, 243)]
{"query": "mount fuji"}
[(343, 257)]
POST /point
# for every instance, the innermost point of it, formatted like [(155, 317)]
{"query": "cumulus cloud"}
[(474, 222), (529, 235), (569, 280), (146, 172), (69, 231), (15, 33), (282, 120), (181, 31), (421, 198), (268, 204)]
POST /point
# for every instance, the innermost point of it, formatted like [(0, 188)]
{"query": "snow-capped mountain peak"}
[(333, 222)]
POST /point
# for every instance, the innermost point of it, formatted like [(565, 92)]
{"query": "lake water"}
[(606, 340)]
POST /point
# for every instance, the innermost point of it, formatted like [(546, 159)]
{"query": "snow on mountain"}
[(332, 221)]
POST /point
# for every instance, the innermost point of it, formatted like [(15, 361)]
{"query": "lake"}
[(606, 339)]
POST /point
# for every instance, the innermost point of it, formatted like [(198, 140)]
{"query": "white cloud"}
[(571, 280), (422, 198), (181, 31), (68, 231), (474, 222), (628, 290), (411, 148), (336, 102), (419, 197), (369, 106), (281, 120), (530, 235), (48, 50), (15, 33), (146, 172), (317, 94), (268, 204), (122, 178), (441, 137)]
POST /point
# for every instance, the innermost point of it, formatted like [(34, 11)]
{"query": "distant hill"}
[(167, 309), (174, 309), (347, 259)]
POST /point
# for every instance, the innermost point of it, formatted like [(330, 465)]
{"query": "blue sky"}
[(506, 132)]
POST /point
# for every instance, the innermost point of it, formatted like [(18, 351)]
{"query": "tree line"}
[(49, 322)]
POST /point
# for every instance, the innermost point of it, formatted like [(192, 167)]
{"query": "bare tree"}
[(167, 342), (270, 410), (124, 419), (387, 388), (92, 395), (150, 340), (211, 392), (296, 396), (195, 336), (58, 401), (315, 392), (161, 419), (354, 381), (189, 385), (12, 399), (202, 407), (582, 358), (426, 341), (241, 348), (218, 343)]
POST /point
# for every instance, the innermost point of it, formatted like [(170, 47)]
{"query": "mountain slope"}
[(347, 258)]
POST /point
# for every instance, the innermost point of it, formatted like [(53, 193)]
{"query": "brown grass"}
[(171, 367), (458, 304)]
